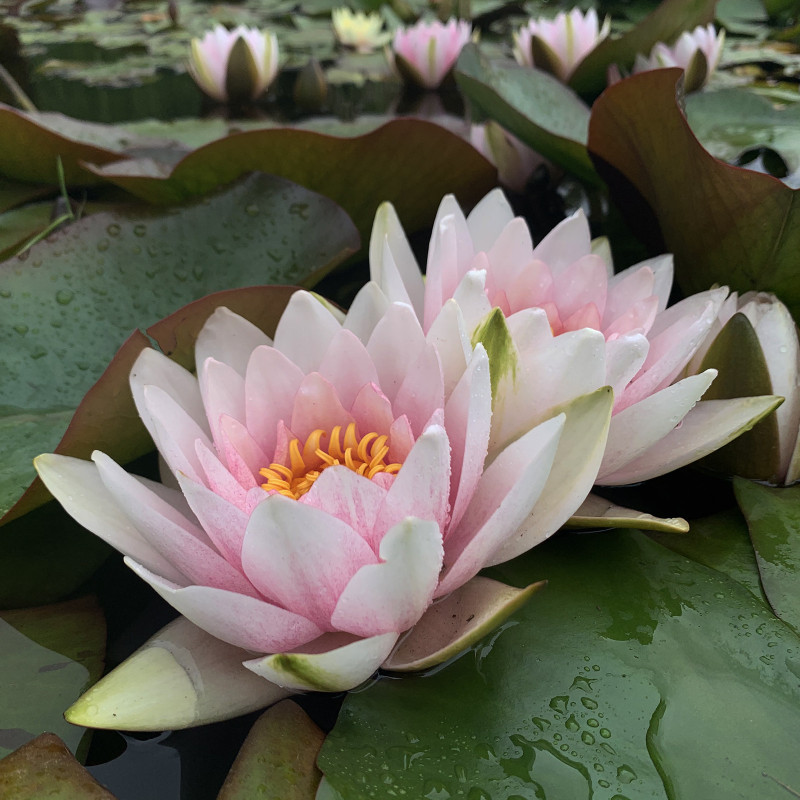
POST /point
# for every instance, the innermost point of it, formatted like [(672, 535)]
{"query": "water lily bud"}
[(362, 32), (515, 161), (426, 52), (698, 53), (460, 9), (310, 88), (756, 351), (558, 45), (234, 66)]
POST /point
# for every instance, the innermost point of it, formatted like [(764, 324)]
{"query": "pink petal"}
[(579, 284), (486, 221), (317, 405), (222, 389), (566, 243), (347, 366), (422, 390), (218, 477), (626, 289), (305, 330), (242, 453), (229, 338), (511, 252)]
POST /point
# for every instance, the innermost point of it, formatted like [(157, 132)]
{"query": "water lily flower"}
[(529, 304), (321, 489), (558, 45), (425, 53), (515, 161), (697, 52), (363, 32), (754, 345), (234, 66)]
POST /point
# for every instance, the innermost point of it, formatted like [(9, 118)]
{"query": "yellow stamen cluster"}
[(364, 455)]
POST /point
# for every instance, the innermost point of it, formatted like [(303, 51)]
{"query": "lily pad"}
[(75, 298), (50, 655), (534, 106), (606, 686), (426, 163), (773, 518), (724, 224)]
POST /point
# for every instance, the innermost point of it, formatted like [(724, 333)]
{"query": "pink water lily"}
[(321, 489), (247, 75), (558, 45), (425, 52), (561, 304)]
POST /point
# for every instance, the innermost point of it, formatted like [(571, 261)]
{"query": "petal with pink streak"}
[(223, 521), (504, 497), (468, 415), (487, 220), (347, 366), (422, 486), (246, 622), (372, 411), (175, 432), (394, 346), (663, 272), (707, 427), (566, 243), (222, 389), (271, 383), (229, 338), (449, 335), (218, 477), (587, 316), (638, 427), (580, 283), (152, 368), (76, 484), (366, 310), (393, 595), (387, 232), (305, 330), (532, 286), (180, 541), (401, 440), (690, 309), (422, 391), (511, 252), (336, 670), (626, 289), (638, 318), (301, 557), (348, 496), (242, 453), (317, 405)]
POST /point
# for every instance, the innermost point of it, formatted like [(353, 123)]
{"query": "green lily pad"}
[(50, 655), (46, 768), (534, 106), (76, 297), (664, 24), (426, 163), (773, 518), (724, 224), (607, 685), (277, 759)]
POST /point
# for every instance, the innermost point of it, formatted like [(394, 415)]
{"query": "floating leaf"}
[(277, 759), (50, 654), (773, 518), (534, 106), (724, 224), (607, 685), (46, 768), (73, 300)]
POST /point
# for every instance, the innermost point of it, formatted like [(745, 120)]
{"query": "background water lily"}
[(359, 30), (320, 490), (236, 66), (562, 297), (425, 52)]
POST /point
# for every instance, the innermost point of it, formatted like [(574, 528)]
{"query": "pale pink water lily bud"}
[(234, 66), (426, 52), (558, 45), (321, 489), (515, 161), (754, 345), (697, 52), (363, 32), (561, 303)]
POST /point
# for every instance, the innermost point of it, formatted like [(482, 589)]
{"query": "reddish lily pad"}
[(409, 162), (664, 24), (724, 224), (46, 768)]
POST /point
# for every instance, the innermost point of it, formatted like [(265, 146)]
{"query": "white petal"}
[(566, 243), (305, 330), (229, 338), (487, 220), (449, 335), (366, 310)]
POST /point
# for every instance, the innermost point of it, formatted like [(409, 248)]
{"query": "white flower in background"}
[(363, 32)]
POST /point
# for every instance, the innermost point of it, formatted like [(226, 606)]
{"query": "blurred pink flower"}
[(212, 69), (425, 52), (515, 161), (558, 45), (320, 490), (572, 326)]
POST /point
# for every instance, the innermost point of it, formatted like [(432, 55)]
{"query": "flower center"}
[(365, 455)]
